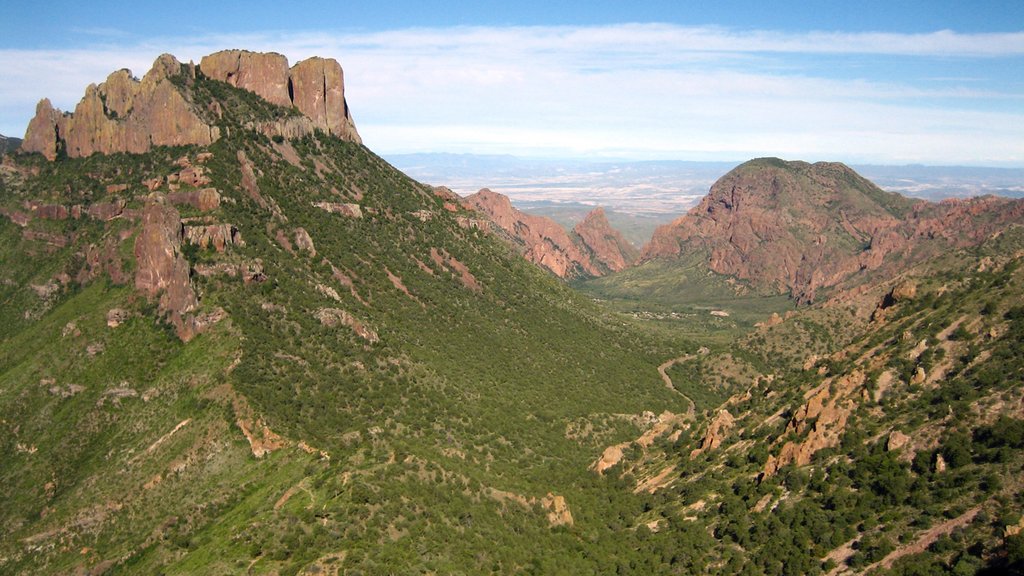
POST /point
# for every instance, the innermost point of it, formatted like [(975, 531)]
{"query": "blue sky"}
[(882, 82)]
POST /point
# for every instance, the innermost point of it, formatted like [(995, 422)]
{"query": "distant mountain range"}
[(9, 144)]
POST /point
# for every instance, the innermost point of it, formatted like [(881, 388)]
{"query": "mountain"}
[(123, 114), (261, 349), (273, 353), (592, 249), (802, 229), (9, 144)]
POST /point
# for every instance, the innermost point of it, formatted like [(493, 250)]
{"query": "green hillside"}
[(427, 443), (354, 378)]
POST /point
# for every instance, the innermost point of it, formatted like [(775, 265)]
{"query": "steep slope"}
[(274, 353), (606, 244), (880, 432), (798, 228), (593, 248)]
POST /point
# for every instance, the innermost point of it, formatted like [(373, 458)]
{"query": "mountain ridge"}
[(799, 228)]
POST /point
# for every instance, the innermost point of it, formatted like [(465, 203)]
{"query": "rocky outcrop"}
[(822, 418), (121, 114), (161, 270), (318, 88), (607, 246), (264, 74), (717, 430), (542, 240), (332, 317), (798, 228), (315, 86), (203, 200), (343, 208), (216, 236)]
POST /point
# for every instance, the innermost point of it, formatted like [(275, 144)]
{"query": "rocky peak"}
[(121, 115), (124, 114), (264, 74), (798, 228), (606, 244), (315, 86), (542, 240)]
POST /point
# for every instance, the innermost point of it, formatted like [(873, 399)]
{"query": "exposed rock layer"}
[(794, 227), (124, 114), (593, 249)]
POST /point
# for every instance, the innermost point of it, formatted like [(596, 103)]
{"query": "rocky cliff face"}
[(593, 249), (607, 245), (124, 114), (121, 114), (315, 86), (793, 227), (544, 242)]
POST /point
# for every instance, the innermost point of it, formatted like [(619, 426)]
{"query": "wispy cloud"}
[(634, 90)]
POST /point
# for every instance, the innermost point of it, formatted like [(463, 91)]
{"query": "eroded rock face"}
[(793, 227), (263, 73), (716, 433), (316, 86), (161, 269), (607, 246), (822, 417), (121, 115), (544, 242), (216, 236)]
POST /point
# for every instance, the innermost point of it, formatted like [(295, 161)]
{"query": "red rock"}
[(121, 115), (716, 433), (16, 216), (106, 211), (607, 246), (161, 269), (216, 236), (542, 240), (265, 74), (203, 200), (318, 86), (793, 227)]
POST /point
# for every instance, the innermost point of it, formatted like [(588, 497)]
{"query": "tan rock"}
[(116, 317), (715, 434), (265, 74), (216, 236), (121, 115), (332, 317), (896, 440), (558, 510), (304, 243)]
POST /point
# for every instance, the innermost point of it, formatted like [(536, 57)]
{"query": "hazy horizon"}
[(934, 83)]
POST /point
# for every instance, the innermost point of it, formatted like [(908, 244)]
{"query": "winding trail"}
[(663, 371)]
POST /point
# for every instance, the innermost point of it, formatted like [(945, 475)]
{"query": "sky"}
[(894, 82)]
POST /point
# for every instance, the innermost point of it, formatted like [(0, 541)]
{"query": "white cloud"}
[(632, 90)]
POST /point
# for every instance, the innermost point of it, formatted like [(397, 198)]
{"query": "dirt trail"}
[(663, 371), (926, 539)]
